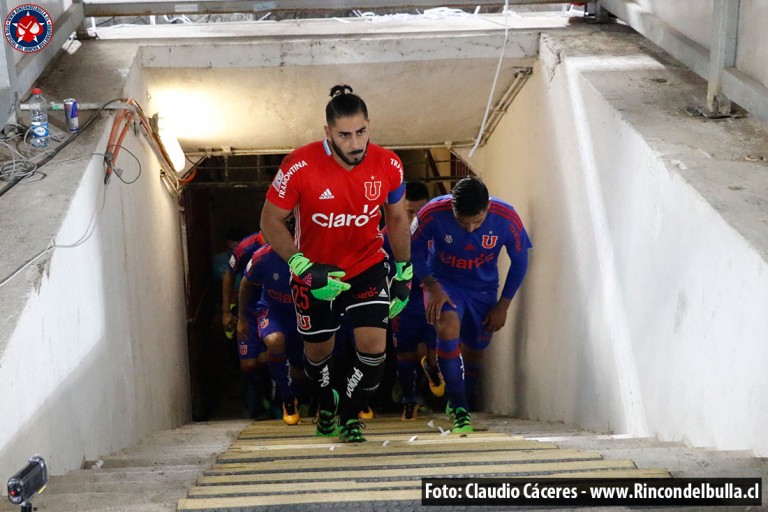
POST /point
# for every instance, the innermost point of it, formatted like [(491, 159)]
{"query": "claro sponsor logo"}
[(342, 220), (456, 262)]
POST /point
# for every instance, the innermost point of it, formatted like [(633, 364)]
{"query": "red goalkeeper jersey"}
[(338, 211)]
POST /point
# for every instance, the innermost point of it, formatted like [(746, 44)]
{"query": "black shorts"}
[(365, 304)]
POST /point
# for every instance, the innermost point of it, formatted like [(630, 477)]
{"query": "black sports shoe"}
[(434, 379), (328, 421), (290, 412), (410, 411), (350, 431)]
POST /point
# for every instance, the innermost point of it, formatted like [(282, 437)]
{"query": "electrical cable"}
[(55, 151), (495, 79), (119, 172)]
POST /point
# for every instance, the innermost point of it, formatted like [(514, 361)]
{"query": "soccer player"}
[(335, 188), (467, 230), (410, 328), (238, 260), (276, 323), (251, 350)]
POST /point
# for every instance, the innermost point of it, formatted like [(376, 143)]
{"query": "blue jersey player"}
[(466, 231), (251, 350), (410, 328), (273, 317)]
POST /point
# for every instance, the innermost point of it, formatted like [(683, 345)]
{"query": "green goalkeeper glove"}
[(323, 280), (400, 288)]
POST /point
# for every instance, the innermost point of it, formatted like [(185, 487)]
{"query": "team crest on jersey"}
[(303, 321), (264, 323), (278, 180), (372, 190), (489, 241), (275, 276), (448, 239)]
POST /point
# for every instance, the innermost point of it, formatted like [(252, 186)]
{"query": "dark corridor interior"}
[(225, 197), (224, 200)]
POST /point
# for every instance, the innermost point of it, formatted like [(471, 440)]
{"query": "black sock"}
[(319, 374), (362, 381)]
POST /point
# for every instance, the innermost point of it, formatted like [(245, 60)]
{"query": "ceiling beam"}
[(101, 8)]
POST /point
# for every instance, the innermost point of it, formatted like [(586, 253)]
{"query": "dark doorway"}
[(225, 197)]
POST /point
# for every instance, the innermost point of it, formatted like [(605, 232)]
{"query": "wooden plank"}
[(278, 429), (296, 499), (401, 460), (299, 487), (415, 483), (302, 444), (523, 468), (615, 473), (376, 450), (246, 444)]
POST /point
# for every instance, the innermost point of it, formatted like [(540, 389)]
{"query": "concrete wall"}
[(643, 311), (752, 48), (694, 20), (98, 357)]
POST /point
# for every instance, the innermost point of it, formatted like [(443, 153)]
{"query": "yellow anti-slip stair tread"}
[(375, 450), (272, 464), (327, 444), (351, 485), (533, 468), (373, 437), (401, 460), (368, 494)]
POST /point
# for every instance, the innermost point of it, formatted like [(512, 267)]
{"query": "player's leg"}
[(294, 349), (428, 362), (272, 329), (368, 312), (475, 339), (317, 324), (450, 361), (254, 372), (405, 338), (473, 365)]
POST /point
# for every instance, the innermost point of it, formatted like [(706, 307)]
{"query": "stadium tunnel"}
[(581, 130)]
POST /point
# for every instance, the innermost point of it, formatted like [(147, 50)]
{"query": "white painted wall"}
[(694, 20), (752, 47), (691, 18), (643, 311), (98, 358)]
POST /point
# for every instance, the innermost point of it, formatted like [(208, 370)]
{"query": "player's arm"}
[(398, 230), (436, 296), (399, 234), (324, 281), (497, 317), (249, 287), (227, 287), (275, 232)]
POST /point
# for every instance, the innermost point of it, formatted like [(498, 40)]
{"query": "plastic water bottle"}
[(38, 117)]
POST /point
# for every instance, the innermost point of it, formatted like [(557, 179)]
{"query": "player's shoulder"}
[(384, 156), (436, 206), (254, 240), (263, 252), (505, 212), (300, 157)]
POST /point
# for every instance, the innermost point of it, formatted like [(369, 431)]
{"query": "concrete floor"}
[(154, 474)]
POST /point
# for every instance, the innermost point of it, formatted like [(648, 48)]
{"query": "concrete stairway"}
[(179, 468), (149, 477)]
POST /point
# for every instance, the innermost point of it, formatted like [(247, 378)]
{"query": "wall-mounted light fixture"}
[(163, 128)]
